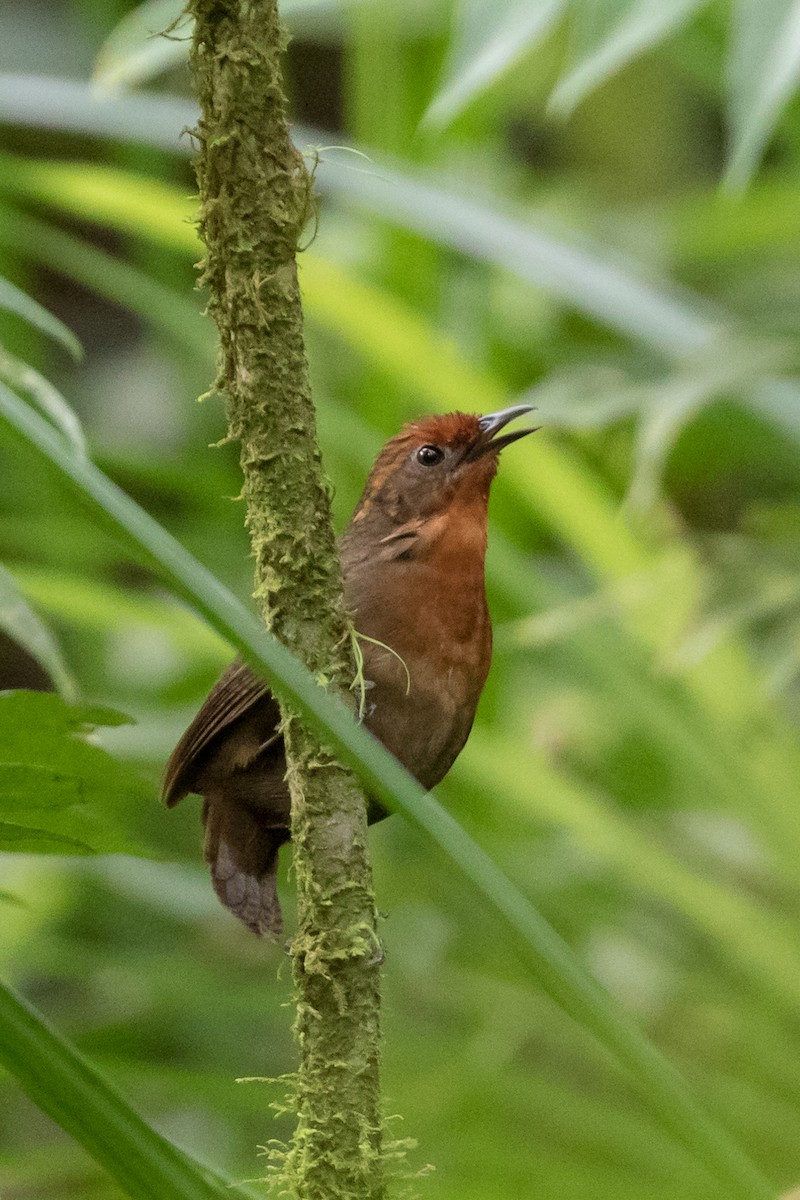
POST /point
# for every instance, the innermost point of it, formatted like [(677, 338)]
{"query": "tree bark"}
[(255, 201)]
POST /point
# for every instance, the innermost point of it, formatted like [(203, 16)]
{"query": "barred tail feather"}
[(243, 855)]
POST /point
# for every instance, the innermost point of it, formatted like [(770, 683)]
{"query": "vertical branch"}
[(255, 196)]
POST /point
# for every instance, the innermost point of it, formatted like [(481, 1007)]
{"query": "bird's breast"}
[(426, 667)]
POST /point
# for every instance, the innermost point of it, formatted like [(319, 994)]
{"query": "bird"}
[(413, 566)]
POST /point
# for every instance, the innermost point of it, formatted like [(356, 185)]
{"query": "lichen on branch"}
[(255, 202)]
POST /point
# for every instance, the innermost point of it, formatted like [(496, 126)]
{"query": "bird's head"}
[(437, 464)]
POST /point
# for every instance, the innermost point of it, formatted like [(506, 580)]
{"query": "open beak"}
[(491, 424)]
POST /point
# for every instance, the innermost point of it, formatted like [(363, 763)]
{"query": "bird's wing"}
[(400, 541), (233, 695)]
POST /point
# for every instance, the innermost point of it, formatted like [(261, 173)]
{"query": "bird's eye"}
[(429, 456)]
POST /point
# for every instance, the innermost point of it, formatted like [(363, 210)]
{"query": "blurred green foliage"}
[(540, 218)]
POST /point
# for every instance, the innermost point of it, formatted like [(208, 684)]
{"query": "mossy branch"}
[(256, 198)]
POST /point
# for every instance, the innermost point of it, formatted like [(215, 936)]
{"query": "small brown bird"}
[(413, 565)]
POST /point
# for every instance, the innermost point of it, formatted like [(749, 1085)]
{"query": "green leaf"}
[(13, 299), (576, 502), (572, 500), (59, 794), (488, 40), (609, 34), (613, 290), (763, 74), (163, 308), (669, 405), (164, 212), (557, 969), (26, 840), (21, 623), (49, 103), (778, 400), (46, 397), (155, 37), (66, 1087), (617, 292), (570, 497), (102, 607), (152, 38), (755, 940)]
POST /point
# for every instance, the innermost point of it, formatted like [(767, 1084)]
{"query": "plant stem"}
[(256, 199)]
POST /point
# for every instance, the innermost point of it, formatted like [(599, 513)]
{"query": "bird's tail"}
[(243, 855)]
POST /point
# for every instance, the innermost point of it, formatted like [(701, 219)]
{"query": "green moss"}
[(282, 1159), (255, 201)]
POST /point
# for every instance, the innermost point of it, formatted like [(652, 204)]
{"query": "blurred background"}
[(587, 206)]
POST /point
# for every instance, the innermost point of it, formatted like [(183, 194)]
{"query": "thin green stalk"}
[(165, 310), (66, 1087), (556, 968)]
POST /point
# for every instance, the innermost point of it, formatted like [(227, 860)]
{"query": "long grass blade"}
[(615, 292), (13, 299), (154, 37), (555, 966), (18, 620), (571, 499), (603, 47), (44, 102), (568, 497), (46, 397), (164, 308), (763, 73), (489, 40), (150, 39), (66, 1087)]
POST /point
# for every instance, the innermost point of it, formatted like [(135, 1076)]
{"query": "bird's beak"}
[(491, 424)]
